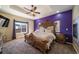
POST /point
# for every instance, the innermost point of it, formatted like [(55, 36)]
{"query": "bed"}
[(41, 38)]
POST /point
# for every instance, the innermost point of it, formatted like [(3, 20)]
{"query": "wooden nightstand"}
[(60, 38)]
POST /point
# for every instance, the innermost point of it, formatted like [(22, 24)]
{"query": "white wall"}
[(9, 29), (76, 20)]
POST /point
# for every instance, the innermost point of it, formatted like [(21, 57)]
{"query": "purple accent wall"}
[(65, 20)]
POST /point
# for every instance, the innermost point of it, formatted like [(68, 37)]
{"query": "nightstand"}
[(60, 38)]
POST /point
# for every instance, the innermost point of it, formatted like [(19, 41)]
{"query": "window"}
[(57, 27), (21, 27)]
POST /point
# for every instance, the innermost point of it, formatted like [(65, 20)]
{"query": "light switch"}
[(66, 29)]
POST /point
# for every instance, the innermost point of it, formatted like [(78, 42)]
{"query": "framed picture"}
[(4, 21)]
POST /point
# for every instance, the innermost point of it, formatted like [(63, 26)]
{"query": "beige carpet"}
[(18, 46)]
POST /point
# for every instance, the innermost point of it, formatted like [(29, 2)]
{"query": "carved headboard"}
[(47, 23)]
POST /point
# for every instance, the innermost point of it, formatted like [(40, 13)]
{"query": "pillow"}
[(50, 29), (41, 29)]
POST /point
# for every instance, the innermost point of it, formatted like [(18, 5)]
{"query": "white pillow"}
[(48, 31), (50, 28), (41, 29)]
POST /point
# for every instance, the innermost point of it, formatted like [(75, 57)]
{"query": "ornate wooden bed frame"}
[(48, 23), (39, 44)]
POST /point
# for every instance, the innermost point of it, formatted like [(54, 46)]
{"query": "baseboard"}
[(76, 47)]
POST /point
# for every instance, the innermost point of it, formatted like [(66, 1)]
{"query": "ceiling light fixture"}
[(57, 11)]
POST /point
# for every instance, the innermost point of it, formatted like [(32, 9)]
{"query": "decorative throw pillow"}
[(41, 29), (50, 29)]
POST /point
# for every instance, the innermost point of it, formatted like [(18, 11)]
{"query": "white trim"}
[(21, 27), (57, 28), (16, 13), (76, 47)]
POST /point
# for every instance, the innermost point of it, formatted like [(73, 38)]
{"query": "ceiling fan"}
[(32, 10)]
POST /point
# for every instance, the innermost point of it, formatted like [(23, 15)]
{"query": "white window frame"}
[(21, 27), (57, 28)]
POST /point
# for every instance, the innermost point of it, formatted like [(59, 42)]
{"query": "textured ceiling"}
[(45, 10)]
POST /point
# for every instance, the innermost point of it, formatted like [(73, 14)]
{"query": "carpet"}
[(18, 46)]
